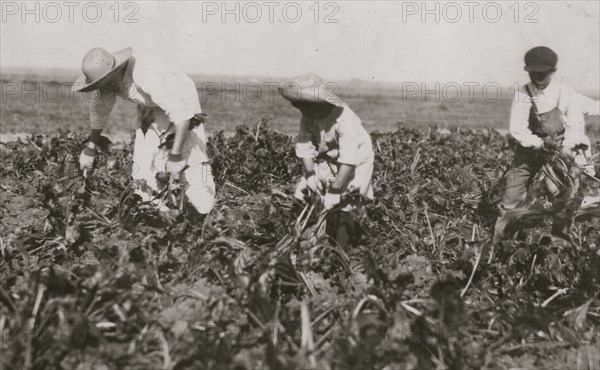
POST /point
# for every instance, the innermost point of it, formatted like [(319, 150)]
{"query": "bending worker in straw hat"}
[(172, 101), (546, 114), (336, 152)]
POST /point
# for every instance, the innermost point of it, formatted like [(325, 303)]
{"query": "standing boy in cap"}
[(546, 115), (172, 98), (335, 149)]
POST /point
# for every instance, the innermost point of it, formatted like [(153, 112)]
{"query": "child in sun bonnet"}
[(172, 137), (336, 152)]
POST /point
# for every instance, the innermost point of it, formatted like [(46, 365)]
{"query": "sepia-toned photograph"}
[(324, 185)]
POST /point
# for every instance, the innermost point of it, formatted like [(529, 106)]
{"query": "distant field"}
[(39, 107)]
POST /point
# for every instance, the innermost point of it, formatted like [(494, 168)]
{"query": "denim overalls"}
[(528, 161)]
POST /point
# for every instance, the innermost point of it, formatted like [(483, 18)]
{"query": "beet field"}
[(92, 278)]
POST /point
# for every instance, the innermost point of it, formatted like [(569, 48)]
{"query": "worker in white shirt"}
[(546, 115), (336, 152), (172, 98)]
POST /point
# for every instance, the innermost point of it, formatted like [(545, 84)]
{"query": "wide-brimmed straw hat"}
[(98, 64), (310, 88)]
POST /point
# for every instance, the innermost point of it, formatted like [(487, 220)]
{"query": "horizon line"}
[(71, 73)]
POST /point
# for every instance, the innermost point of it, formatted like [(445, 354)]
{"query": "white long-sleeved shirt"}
[(342, 130), (151, 82), (572, 106)]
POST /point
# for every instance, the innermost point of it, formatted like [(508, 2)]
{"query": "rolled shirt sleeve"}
[(169, 88), (101, 105), (304, 143), (349, 130), (578, 106), (590, 107), (519, 121)]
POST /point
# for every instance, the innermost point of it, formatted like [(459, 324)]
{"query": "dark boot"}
[(503, 229), (563, 209), (341, 227)]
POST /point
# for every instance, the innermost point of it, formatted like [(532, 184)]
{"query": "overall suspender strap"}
[(530, 93)]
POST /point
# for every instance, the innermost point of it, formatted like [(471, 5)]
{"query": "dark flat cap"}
[(540, 59)]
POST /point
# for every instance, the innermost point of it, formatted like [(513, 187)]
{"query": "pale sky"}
[(384, 41)]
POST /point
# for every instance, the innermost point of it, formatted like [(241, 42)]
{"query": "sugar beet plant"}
[(92, 277)]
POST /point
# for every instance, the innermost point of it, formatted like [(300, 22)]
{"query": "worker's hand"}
[(314, 184), (583, 163), (175, 165), (86, 159), (301, 190), (538, 144), (332, 199), (549, 145)]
